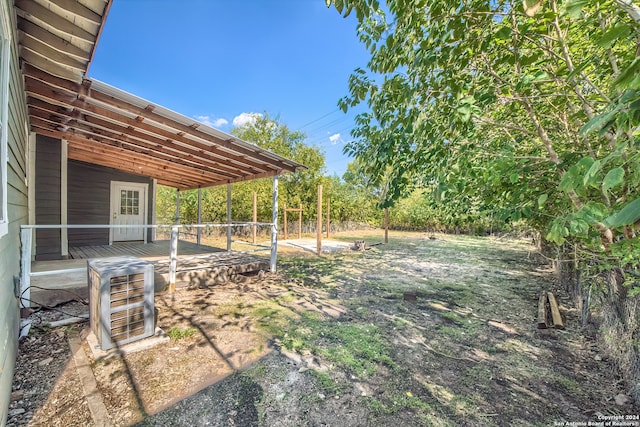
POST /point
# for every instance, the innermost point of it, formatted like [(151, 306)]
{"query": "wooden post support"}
[(173, 259), (386, 225), (284, 222), (555, 312), (254, 228), (319, 223), (199, 230), (274, 226), (229, 217), (300, 221), (328, 215), (26, 239)]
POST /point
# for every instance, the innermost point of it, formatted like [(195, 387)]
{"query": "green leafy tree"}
[(529, 109), (533, 108), (297, 188)]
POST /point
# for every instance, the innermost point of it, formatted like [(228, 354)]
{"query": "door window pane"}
[(129, 202)]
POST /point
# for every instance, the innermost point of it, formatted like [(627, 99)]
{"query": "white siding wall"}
[(18, 215)]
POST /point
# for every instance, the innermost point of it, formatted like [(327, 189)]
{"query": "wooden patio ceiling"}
[(109, 127)]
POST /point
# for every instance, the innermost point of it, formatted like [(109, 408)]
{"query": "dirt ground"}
[(426, 330)]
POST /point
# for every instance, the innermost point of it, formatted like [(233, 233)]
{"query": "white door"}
[(128, 207)]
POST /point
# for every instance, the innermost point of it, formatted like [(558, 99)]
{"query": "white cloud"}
[(220, 122), (335, 138), (244, 119), (210, 121)]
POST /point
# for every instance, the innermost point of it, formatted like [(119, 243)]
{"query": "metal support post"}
[(199, 230), (274, 225), (229, 217), (173, 259)]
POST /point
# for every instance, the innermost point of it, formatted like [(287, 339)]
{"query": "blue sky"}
[(221, 60)]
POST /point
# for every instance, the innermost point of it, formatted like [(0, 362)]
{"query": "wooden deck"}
[(197, 266), (159, 248)]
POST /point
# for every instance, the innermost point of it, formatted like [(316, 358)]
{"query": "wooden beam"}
[(542, 311), (95, 152), (170, 179), (29, 29), (54, 55), (78, 9), (203, 180), (30, 57), (41, 13), (138, 166), (133, 127), (38, 89), (106, 136), (555, 312), (132, 134)]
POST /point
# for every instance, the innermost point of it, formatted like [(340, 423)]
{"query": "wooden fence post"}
[(284, 222), (319, 223), (300, 221), (386, 225)]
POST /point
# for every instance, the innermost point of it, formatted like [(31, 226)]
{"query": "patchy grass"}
[(326, 382), (448, 336), (465, 352), (176, 333), (354, 347), (358, 348)]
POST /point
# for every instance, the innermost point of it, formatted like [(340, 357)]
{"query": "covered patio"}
[(158, 248), (102, 131), (58, 281)]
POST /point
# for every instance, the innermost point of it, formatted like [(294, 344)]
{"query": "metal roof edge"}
[(105, 14)]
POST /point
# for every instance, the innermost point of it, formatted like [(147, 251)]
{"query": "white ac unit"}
[(122, 301)]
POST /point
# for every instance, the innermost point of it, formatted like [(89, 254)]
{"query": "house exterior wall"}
[(89, 200), (48, 201), (17, 216)]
